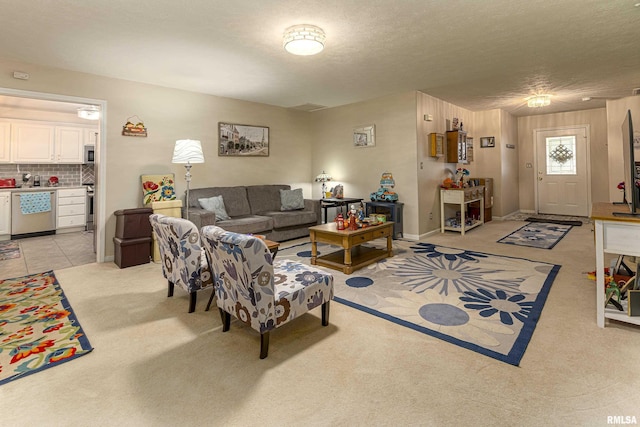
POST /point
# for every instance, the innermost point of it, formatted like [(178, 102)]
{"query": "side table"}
[(333, 203), (394, 212)]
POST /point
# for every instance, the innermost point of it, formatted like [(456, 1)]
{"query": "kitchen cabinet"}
[(5, 213), (72, 209), (457, 146), (69, 145), (32, 142), (5, 141), (91, 136), (467, 217)]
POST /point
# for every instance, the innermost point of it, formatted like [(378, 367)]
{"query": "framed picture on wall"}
[(364, 136), (487, 141), (242, 140)]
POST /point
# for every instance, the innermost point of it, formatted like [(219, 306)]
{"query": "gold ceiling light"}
[(304, 39), (537, 101)]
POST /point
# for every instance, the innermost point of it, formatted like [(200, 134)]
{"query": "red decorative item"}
[(353, 225), (340, 221)]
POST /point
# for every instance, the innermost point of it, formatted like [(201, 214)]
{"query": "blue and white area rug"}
[(486, 303), (537, 235)]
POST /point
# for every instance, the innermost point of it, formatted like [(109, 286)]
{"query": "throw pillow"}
[(291, 200), (215, 204)]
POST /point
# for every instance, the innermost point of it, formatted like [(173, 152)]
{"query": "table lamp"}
[(323, 177)]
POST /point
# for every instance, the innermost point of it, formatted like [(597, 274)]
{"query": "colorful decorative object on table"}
[(460, 174), (384, 194), (323, 177), (485, 303), (38, 328), (158, 188)]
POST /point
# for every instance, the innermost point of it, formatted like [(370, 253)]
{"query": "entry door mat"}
[(9, 249), (555, 221), (38, 328), (537, 235), (485, 303)]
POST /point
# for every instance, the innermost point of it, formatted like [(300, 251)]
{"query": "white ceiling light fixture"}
[(537, 101), (90, 112), (304, 39)]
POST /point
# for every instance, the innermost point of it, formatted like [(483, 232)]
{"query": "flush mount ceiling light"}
[(304, 39), (537, 101), (90, 112)]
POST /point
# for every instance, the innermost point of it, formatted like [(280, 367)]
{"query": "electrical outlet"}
[(430, 215)]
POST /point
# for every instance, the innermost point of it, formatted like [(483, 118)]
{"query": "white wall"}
[(597, 119), (169, 115), (360, 169)]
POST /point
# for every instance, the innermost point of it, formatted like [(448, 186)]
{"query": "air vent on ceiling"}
[(635, 91), (309, 107)]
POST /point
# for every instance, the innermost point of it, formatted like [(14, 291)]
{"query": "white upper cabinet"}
[(5, 141), (91, 136), (69, 145), (32, 143), (23, 141)]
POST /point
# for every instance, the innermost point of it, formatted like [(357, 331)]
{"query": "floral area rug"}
[(9, 249), (38, 328), (537, 235), (486, 303)]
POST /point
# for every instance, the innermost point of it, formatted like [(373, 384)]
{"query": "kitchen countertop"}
[(23, 189)]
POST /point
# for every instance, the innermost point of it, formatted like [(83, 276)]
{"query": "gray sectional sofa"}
[(255, 209)]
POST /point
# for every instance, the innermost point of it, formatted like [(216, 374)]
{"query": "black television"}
[(628, 157)]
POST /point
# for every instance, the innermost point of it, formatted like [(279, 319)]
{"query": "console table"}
[(461, 197), (393, 210), (614, 235), (333, 203)]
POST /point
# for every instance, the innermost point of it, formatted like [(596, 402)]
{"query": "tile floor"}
[(38, 254)]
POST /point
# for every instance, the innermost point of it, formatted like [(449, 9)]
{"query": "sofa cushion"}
[(247, 224), (264, 198), (291, 200), (235, 199), (215, 204), (292, 218)]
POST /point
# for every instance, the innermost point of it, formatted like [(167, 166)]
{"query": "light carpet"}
[(537, 235), (486, 303), (38, 328)]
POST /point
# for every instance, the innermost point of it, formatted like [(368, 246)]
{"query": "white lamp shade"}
[(188, 151), (304, 39)]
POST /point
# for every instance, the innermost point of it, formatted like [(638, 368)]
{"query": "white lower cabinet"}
[(5, 213), (72, 208)]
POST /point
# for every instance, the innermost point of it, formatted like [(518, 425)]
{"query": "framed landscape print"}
[(242, 140), (487, 141), (364, 136)]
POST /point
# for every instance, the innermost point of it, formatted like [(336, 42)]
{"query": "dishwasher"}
[(33, 212)]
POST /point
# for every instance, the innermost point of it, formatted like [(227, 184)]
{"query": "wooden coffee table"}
[(353, 255), (272, 246)]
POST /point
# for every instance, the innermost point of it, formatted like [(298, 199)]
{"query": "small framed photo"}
[(487, 141), (364, 136), (436, 144), (242, 140)]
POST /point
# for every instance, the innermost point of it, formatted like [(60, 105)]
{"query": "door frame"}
[(100, 160), (587, 129)]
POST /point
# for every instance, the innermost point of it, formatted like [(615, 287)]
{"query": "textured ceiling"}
[(475, 54)]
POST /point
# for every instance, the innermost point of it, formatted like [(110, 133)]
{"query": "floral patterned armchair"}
[(259, 292), (183, 260)]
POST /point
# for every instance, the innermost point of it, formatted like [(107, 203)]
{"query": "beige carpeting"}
[(156, 365)]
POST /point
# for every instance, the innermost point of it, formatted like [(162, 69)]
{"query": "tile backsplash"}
[(67, 174)]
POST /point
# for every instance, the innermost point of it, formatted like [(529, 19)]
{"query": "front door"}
[(562, 173)]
